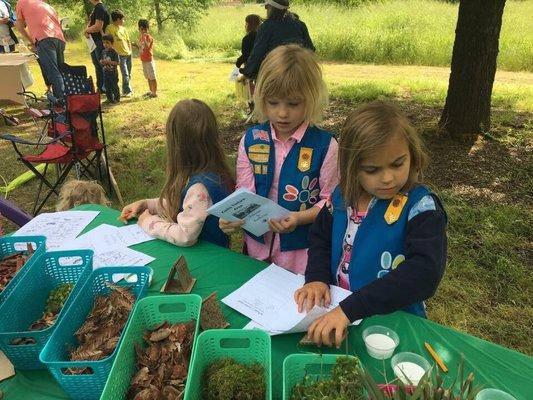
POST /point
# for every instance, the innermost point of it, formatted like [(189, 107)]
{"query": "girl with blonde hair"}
[(197, 175), (77, 192), (383, 235), (287, 158)]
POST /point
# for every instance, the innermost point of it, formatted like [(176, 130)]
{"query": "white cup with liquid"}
[(380, 341)]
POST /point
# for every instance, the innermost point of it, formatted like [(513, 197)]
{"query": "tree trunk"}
[(467, 109), (158, 16)]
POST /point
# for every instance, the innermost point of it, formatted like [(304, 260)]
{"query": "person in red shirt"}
[(146, 47)]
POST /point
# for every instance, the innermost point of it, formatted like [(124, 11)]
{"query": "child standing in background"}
[(76, 192), (110, 63), (287, 158), (197, 176), (146, 48), (122, 45), (383, 235), (251, 23)]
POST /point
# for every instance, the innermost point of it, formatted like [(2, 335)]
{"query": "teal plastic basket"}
[(55, 354), (297, 366), (27, 301), (244, 346), (148, 313), (14, 244)]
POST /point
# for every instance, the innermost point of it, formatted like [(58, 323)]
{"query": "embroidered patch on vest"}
[(260, 135), (259, 153), (394, 210), (304, 160)]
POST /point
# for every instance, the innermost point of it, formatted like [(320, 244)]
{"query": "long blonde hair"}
[(367, 129), (291, 72), (76, 192), (193, 147)]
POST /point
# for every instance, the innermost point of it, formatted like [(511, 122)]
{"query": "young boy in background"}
[(122, 45), (109, 62), (146, 48)]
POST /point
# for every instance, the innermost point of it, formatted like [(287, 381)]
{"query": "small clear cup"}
[(380, 341), (409, 367)]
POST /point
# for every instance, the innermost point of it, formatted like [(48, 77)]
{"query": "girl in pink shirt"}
[(287, 158), (197, 176)]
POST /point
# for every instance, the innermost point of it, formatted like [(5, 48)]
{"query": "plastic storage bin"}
[(55, 354), (148, 313), (28, 298), (315, 366), (245, 346), (13, 244)]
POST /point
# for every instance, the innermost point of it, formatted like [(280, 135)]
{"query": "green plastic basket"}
[(27, 302), (244, 346), (13, 244), (315, 366), (148, 312)]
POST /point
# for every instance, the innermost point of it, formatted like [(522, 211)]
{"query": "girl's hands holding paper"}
[(330, 329), (285, 225), (229, 227), (311, 294), (132, 210)]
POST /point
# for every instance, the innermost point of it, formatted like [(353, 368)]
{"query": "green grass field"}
[(488, 287), (411, 32)]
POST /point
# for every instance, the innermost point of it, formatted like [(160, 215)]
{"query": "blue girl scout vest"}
[(378, 245), (299, 185), (217, 191)]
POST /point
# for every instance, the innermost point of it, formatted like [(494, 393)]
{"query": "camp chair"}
[(75, 143)]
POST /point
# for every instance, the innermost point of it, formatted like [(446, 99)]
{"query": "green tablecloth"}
[(223, 271)]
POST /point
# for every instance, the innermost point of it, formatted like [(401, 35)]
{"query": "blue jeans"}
[(96, 56), (51, 57), (125, 70)]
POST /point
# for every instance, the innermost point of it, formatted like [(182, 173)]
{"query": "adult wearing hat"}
[(281, 27)]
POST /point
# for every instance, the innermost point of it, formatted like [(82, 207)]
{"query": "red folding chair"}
[(75, 144)]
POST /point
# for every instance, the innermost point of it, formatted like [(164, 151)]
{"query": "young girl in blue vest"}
[(287, 158), (197, 176), (383, 234)]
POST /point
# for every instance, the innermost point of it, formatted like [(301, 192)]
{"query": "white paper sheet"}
[(133, 234), (255, 210), (91, 46), (120, 256), (105, 237), (267, 299), (59, 227)]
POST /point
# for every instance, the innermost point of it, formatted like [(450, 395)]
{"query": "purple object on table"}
[(13, 213)]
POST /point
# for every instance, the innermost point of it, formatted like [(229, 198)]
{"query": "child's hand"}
[(146, 214), (285, 225), (329, 329), (312, 294), (132, 210), (229, 227)]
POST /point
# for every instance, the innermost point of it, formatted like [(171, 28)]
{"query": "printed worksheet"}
[(255, 210), (267, 299), (59, 227), (106, 237)]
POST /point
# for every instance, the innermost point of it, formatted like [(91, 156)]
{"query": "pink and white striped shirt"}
[(294, 260)]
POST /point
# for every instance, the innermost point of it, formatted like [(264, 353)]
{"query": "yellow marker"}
[(394, 210), (436, 357)]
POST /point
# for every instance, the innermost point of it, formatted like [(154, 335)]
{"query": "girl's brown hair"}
[(76, 192), (252, 22), (193, 147), (365, 131), (291, 72)]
